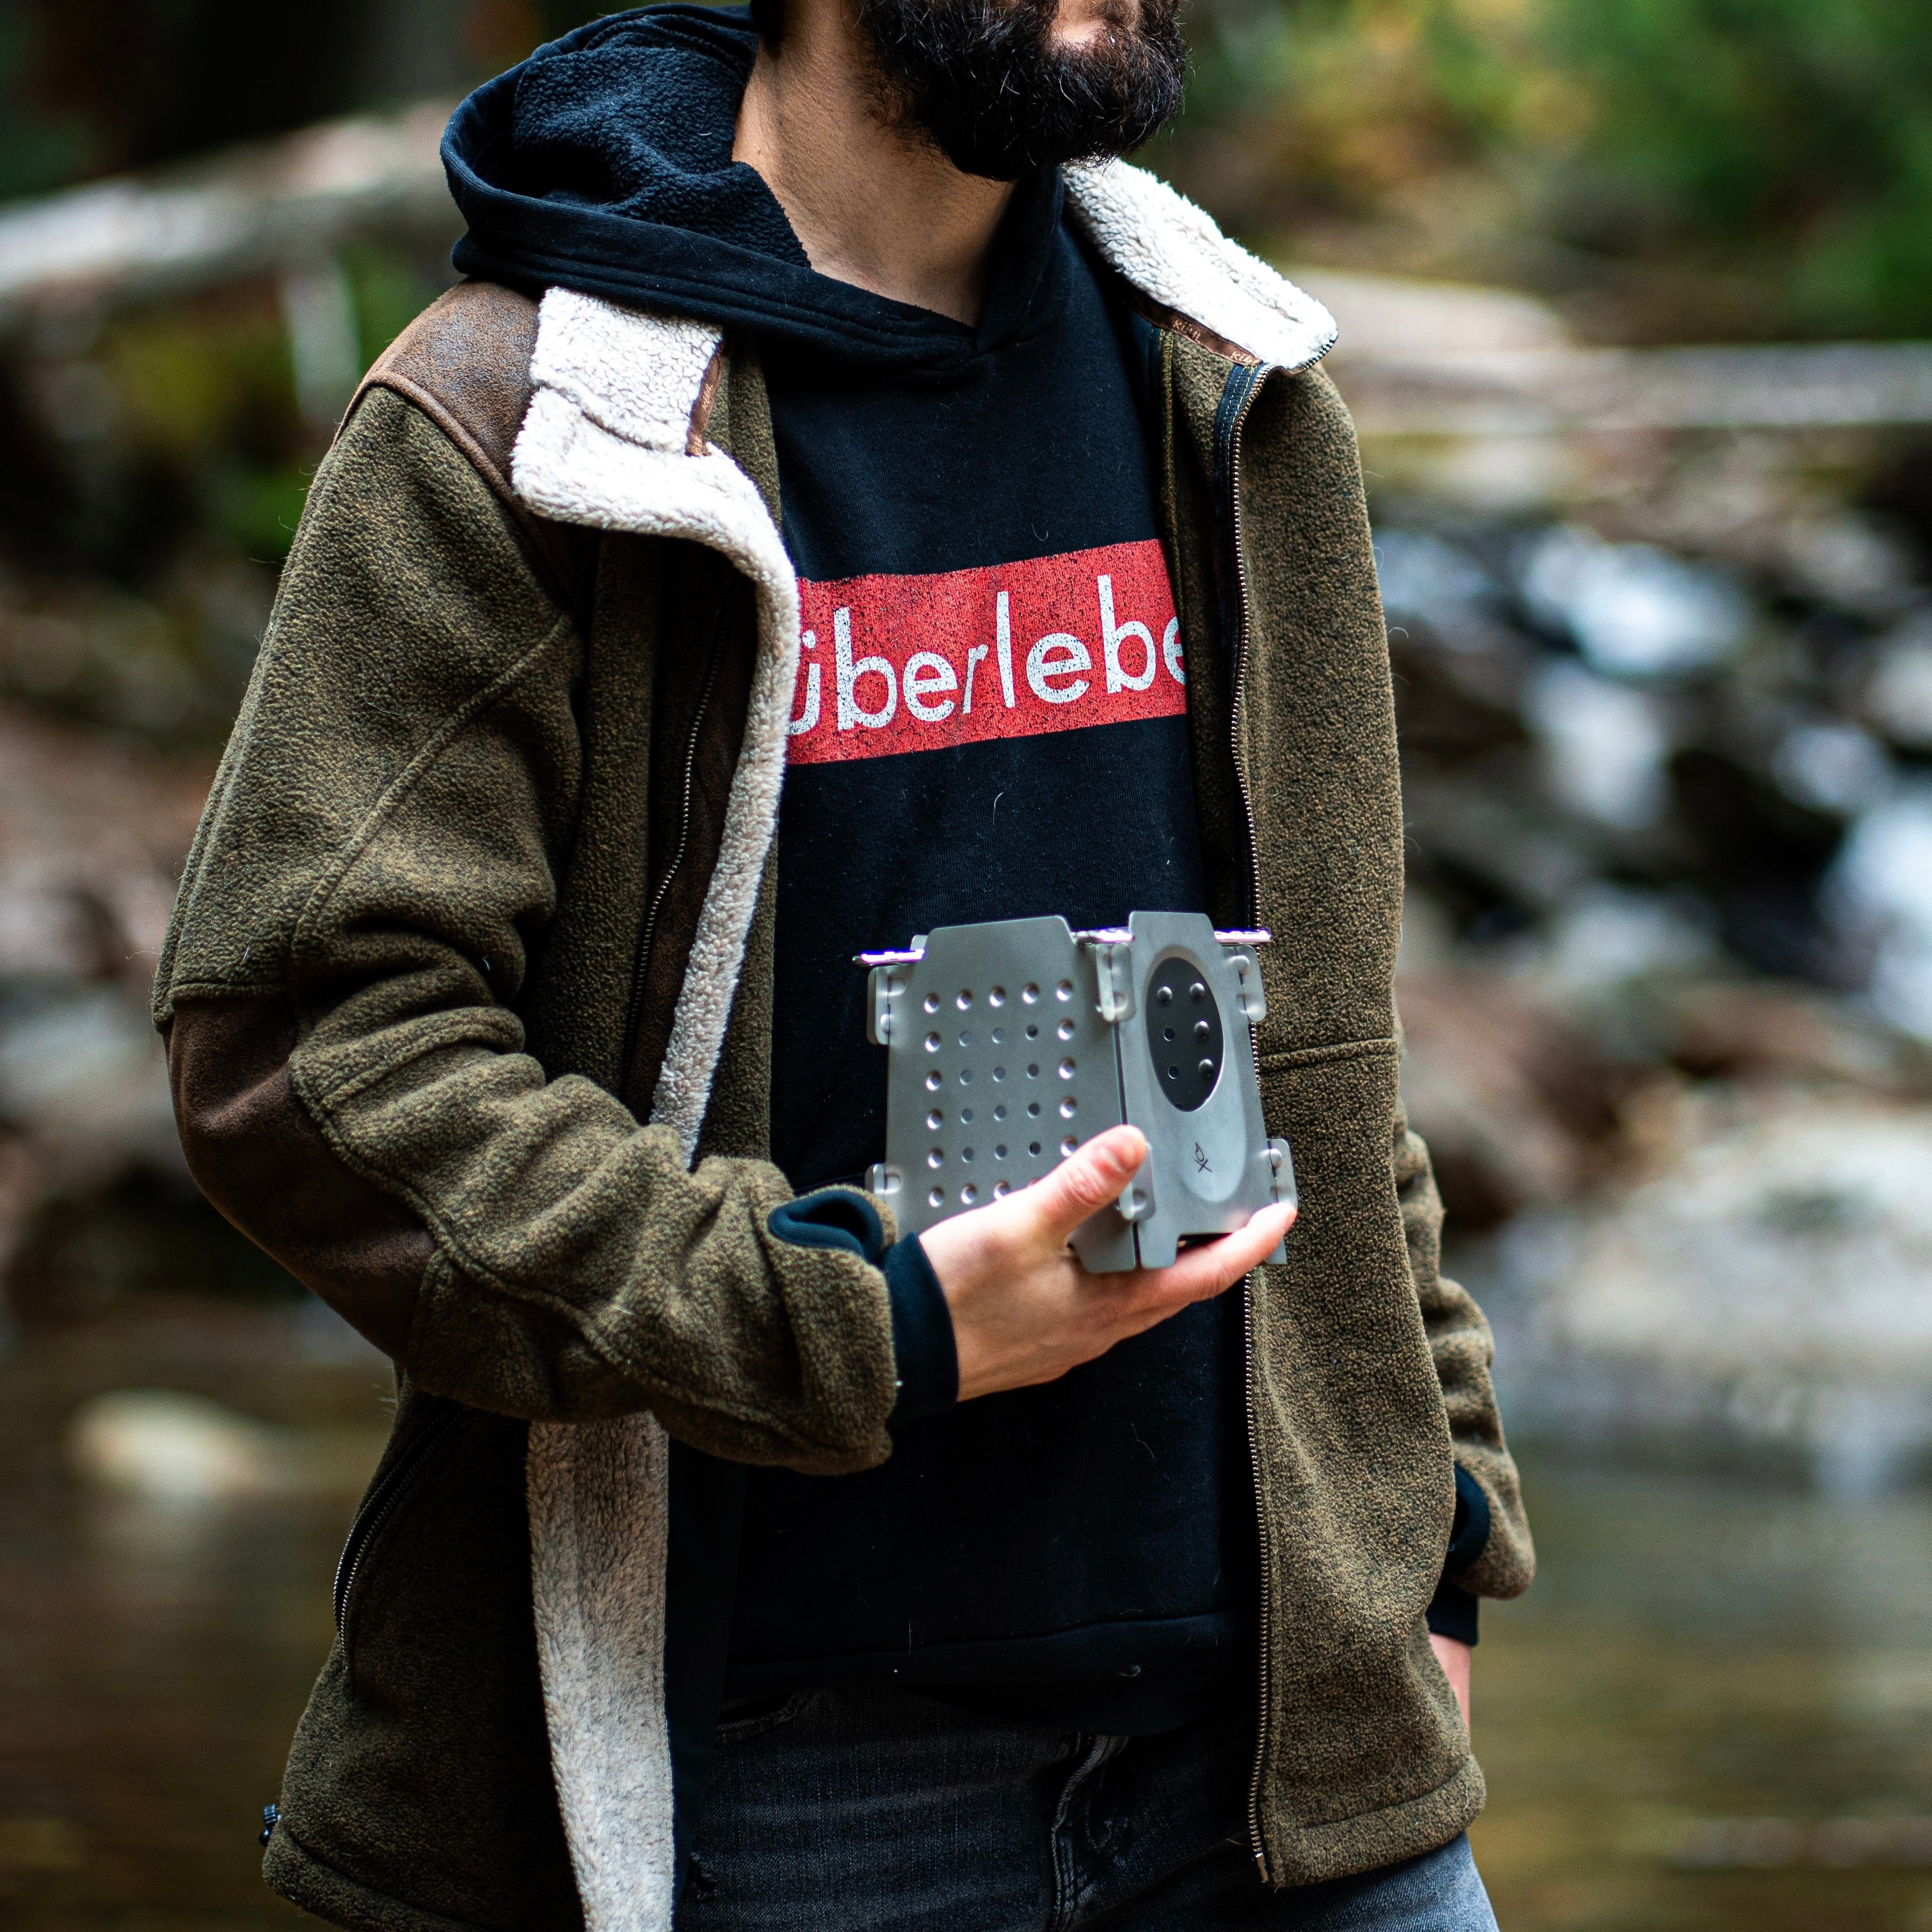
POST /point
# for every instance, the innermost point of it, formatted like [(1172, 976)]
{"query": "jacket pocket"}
[(423, 1439), (1388, 1047)]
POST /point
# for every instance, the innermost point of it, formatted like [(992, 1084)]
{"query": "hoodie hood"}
[(603, 163)]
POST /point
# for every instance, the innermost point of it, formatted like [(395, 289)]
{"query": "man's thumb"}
[(1091, 1177)]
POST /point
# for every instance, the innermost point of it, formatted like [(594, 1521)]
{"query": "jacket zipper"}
[(1246, 402), (1255, 1841), (1232, 471), (381, 1502), (644, 959)]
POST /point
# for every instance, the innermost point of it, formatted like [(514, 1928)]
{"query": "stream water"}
[(1714, 1712)]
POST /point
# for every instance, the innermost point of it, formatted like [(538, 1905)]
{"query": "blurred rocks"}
[(1665, 715), (165, 1446), (1578, 713), (1633, 610), (1760, 1302), (91, 833), (1517, 1111), (1898, 697)]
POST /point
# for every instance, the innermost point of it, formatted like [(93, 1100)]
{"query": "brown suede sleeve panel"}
[(257, 1155)]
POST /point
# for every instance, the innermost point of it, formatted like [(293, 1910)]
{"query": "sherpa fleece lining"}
[(613, 439)]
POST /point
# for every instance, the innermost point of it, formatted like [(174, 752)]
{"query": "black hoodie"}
[(990, 723)]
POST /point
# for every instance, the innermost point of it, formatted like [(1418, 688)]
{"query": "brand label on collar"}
[(917, 664)]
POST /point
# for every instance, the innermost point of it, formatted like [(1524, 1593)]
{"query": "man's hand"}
[(1455, 1659), (1025, 1311)]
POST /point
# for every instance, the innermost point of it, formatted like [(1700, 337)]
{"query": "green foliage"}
[(391, 290), (1780, 149), (1793, 137), (37, 151), (257, 509)]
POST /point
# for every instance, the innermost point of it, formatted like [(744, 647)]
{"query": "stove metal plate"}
[(1014, 1042)]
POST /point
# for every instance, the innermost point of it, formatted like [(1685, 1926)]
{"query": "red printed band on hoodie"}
[(917, 664)]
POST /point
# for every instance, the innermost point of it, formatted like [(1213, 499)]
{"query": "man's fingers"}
[(1090, 1177), (1206, 1270)]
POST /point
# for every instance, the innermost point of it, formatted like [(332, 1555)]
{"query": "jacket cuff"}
[(834, 1217), (927, 1362), (925, 1365), (1452, 1612)]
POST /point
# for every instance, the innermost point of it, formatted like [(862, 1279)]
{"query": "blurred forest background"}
[(1636, 298)]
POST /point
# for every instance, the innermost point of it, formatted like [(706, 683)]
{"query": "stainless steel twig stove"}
[(1013, 1043)]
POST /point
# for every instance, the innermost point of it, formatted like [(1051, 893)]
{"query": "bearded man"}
[(845, 499)]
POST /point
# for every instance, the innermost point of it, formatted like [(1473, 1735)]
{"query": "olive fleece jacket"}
[(468, 1005)]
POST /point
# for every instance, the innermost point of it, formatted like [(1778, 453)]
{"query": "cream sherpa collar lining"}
[(1171, 250)]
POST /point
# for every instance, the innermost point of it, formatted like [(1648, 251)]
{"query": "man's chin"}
[(1001, 93)]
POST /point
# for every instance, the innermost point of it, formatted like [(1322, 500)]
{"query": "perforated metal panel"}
[(1013, 1043)]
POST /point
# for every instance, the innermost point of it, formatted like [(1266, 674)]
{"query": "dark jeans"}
[(877, 1810)]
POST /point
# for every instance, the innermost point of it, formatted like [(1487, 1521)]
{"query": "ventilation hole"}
[(1069, 1108), (1029, 993), (1168, 1034), (932, 1081), (997, 996), (1064, 991), (965, 1000), (966, 1117), (1173, 1073), (965, 1076), (932, 1002), (999, 1036), (1032, 1033), (999, 1073), (965, 1039), (999, 1113), (934, 1121), (999, 1153), (937, 1198), (1065, 1029), (1033, 1108), (965, 1153), (969, 1194), (1001, 1189), (1066, 1069), (1033, 1148), (932, 1042), (936, 1157), (1032, 1072), (1067, 1146)]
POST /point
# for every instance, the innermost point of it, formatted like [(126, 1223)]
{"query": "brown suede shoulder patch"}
[(465, 362)]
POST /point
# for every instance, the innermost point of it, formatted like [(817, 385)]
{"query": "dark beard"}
[(983, 80)]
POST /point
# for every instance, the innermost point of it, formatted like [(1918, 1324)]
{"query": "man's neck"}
[(872, 205)]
